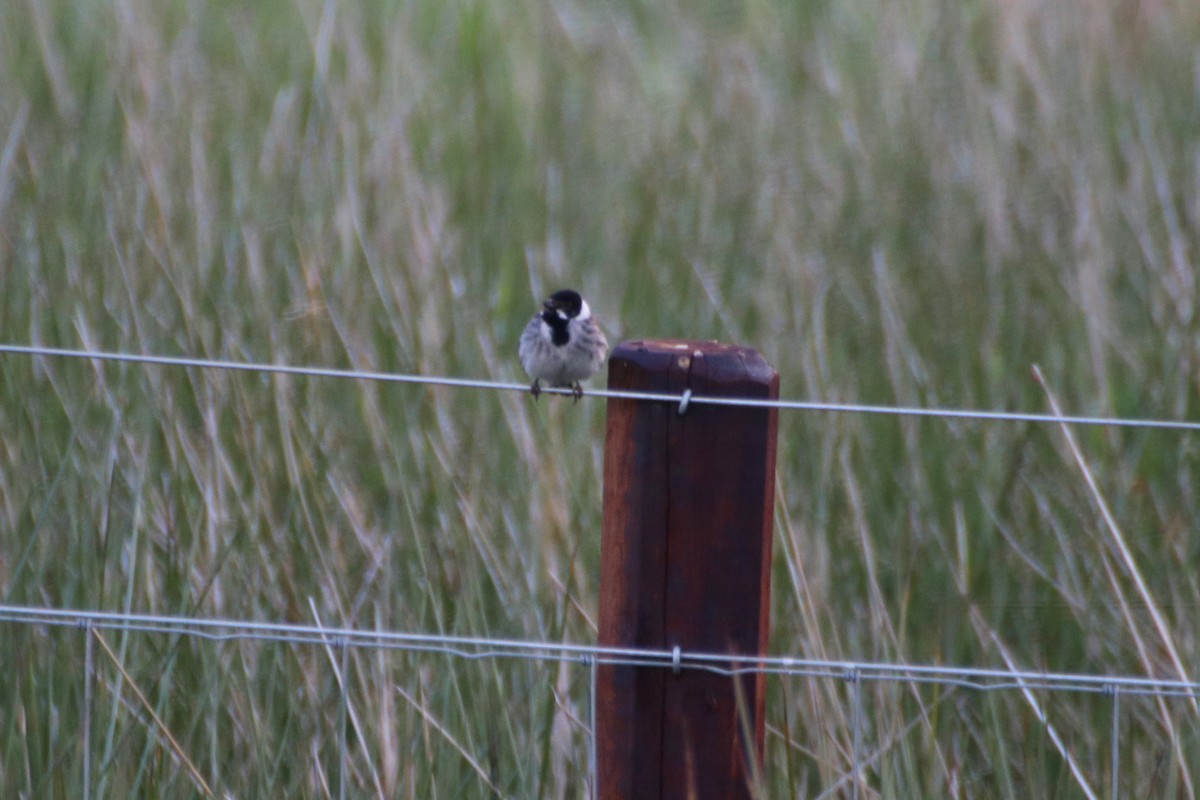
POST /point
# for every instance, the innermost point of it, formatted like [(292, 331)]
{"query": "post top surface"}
[(724, 363), (682, 346)]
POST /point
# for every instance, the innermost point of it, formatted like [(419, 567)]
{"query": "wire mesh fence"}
[(337, 642), (863, 685)]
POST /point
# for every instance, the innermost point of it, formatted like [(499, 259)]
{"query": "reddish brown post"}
[(685, 561)]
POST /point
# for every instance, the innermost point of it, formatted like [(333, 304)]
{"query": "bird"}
[(562, 345)]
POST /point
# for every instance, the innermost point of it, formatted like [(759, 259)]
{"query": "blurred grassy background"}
[(904, 203)]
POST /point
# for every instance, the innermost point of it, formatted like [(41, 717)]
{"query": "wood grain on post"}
[(685, 561)]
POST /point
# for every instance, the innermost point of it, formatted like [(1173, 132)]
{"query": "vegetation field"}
[(907, 202)]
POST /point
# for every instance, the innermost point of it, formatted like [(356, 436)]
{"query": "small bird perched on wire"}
[(562, 345)]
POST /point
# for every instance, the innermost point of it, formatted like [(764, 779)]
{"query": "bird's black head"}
[(567, 301)]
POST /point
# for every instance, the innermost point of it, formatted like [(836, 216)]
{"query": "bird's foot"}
[(535, 389), (577, 391)]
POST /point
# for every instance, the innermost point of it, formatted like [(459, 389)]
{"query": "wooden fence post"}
[(685, 561)]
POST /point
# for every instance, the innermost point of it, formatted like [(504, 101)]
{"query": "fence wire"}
[(683, 400), (477, 647)]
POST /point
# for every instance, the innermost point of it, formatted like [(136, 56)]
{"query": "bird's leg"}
[(577, 390), (535, 388)]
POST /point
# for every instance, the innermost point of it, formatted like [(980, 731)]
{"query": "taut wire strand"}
[(683, 400)]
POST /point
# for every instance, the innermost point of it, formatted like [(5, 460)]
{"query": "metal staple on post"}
[(684, 401)]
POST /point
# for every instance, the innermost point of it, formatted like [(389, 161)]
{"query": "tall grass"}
[(896, 202)]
